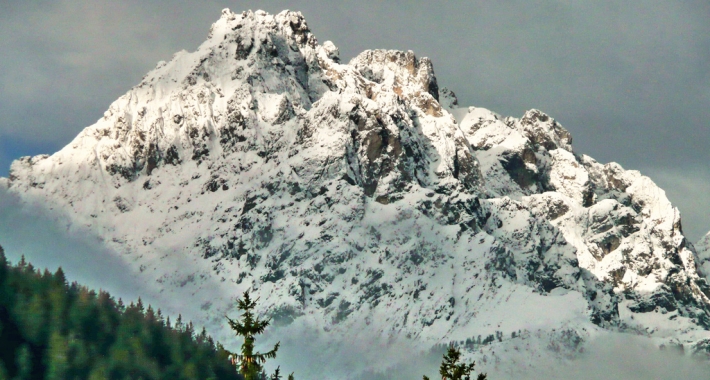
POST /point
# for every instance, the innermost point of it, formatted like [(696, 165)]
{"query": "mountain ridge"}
[(356, 192)]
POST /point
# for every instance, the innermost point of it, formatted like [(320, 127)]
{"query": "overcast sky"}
[(629, 79)]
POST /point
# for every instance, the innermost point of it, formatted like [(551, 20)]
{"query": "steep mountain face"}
[(359, 196), (702, 248)]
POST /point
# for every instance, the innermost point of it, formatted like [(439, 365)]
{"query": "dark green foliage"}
[(251, 364), (53, 330), (488, 339), (451, 369), (277, 374), (3, 373), (24, 363)]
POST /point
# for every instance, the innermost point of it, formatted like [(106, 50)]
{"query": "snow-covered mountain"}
[(360, 200)]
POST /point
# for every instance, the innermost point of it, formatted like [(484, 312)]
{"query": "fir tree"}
[(120, 305), (99, 372), (451, 369), (59, 277), (24, 363), (57, 357), (3, 266), (250, 362)]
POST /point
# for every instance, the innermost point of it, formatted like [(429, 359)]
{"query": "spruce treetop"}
[(250, 362), (451, 369)]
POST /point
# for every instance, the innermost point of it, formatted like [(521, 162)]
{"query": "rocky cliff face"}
[(343, 193), (702, 248)]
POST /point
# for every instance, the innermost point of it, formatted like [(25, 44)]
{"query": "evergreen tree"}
[(32, 315), (178, 323), (57, 357), (59, 277), (451, 369), (121, 306), (99, 371), (250, 362), (24, 363), (3, 266)]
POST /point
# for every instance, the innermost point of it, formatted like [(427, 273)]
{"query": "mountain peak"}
[(401, 71), (355, 192)]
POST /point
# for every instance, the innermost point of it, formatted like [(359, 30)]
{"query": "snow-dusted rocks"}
[(702, 248), (343, 193)]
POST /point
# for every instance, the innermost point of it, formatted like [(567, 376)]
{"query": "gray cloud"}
[(47, 242), (622, 356), (630, 80), (607, 356)]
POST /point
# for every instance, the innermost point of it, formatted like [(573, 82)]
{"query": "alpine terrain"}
[(360, 201)]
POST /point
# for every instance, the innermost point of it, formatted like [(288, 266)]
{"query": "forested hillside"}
[(50, 329)]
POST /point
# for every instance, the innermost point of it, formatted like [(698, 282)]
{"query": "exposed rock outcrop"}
[(349, 192)]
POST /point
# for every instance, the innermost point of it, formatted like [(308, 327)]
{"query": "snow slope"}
[(358, 200)]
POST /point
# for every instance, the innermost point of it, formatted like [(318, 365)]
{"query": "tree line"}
[(50, 329)]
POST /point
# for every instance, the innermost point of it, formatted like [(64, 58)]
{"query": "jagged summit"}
[(343, 193)]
